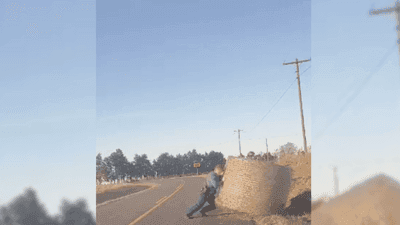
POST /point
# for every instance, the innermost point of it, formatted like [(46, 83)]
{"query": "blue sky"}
[(47, 100), (173, 76), (176, 76), (355, 94)]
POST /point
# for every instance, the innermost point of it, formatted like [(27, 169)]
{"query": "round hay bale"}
[(254, 187)]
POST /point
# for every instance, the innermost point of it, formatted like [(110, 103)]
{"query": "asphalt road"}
[(115, 194), (144, 206)]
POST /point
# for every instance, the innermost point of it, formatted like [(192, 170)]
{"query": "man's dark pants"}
[(208, 196)]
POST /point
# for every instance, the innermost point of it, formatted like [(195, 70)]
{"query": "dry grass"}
[(281, 220), (100, 189), (203, 175)]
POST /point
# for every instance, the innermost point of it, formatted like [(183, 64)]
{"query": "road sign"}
[(196, 165)]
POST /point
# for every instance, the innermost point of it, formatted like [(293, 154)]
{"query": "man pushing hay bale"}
[(208, 193)]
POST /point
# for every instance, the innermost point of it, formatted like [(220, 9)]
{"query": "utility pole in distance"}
[(240, 150), (266, 142), (297, 62), (336, 181), (396, 10)]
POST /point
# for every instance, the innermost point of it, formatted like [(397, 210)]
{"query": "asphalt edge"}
[(126, 196)]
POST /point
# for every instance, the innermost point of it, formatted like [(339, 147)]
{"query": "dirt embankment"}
[(301, 176), (297, 210), (298, 206)]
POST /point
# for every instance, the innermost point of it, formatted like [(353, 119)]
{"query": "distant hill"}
[(372, 201)]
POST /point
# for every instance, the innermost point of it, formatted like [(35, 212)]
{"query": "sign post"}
[(197, 165)]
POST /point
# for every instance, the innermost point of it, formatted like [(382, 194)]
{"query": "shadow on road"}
[(215, 215)]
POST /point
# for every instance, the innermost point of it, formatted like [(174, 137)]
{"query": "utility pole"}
[(336, 181), (266, 142), (240, 150), (297, 62), (396, 10)]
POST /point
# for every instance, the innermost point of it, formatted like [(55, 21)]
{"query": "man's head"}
[(218, 170)]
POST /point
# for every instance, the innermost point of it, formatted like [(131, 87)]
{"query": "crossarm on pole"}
[(395, 8), (380, 11), (297, 62)]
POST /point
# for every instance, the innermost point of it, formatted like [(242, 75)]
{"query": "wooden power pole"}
[(396, 10), (240, 150), (336, 181), (266, 142), (297, 62)]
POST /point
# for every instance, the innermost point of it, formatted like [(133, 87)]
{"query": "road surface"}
[(166, 204)]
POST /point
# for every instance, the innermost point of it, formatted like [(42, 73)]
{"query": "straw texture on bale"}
[(254, 187), (375, 201)]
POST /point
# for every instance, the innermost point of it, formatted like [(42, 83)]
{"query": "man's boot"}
[(203, 214)]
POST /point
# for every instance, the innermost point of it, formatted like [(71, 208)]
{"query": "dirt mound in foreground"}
[(374, 201)]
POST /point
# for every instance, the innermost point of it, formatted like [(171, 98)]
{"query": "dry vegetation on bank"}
[(301, 183), (100, 189)]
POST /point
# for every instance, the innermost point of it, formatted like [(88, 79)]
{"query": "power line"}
[(286, 56), (216, 145), (306, 69), (279, 99), (265, 114), (356, 92), (275, 103)]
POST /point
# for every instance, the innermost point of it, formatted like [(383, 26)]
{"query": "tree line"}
[(26, 209), (116, 165)]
